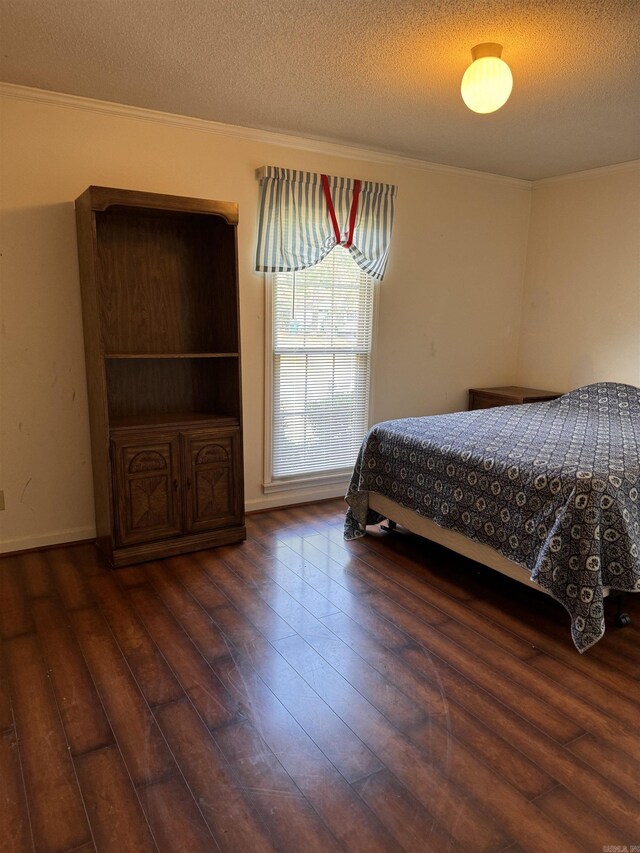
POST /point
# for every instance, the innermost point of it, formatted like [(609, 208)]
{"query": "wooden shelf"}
[(162, 343), (126, 355), (101, 198), (179, 419)]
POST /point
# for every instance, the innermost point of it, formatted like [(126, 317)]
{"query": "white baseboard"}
[(299, 496), (74, 534), (24, 543)]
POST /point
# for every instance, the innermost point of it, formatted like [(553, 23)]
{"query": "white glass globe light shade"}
[(486, 84)]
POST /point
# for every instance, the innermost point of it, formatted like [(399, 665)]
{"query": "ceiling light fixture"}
[(487, 82)]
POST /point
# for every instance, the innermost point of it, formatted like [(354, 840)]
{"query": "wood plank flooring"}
[(298, 692)]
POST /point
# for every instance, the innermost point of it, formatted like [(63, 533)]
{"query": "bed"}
[(547, 493)]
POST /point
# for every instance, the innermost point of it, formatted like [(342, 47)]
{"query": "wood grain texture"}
[(94, 361), (210, 463), (68, 580), (6, 711), (15, 615), (407, 819), (100, 198), (143, 389), (14, 813), (56, 809), (117, 820), (428, 773), (446, 718), (350, 820), (148, 487), (608, 761), (230, 818), (507, 395), (85, 723), (296, 692), (577, 819), (174, 818), (145, 751), (201, 628), (164, 281), (196, 677), (162, 348), (152, 675), (271, 792), (35, 571)]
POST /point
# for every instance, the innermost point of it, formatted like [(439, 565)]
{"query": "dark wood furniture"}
[(162, 345), (507, 395)]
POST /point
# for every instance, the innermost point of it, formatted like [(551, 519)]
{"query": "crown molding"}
[(270, 137), (627, 166)]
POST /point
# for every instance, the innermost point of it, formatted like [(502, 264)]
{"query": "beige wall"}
[(449, 308), (581, 307)]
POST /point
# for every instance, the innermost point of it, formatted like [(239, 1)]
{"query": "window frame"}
[(313, 480)]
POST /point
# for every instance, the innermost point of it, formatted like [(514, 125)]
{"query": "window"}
[(319, 336)]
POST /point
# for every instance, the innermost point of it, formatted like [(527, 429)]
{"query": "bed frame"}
[(461, 544)]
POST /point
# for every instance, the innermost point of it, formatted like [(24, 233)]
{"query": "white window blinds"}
[(322, 324)]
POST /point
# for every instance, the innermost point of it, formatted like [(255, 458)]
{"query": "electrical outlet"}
[(1, 499)]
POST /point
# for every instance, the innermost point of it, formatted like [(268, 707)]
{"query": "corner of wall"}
[(523, 290)]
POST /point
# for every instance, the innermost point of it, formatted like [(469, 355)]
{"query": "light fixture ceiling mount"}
[(487, 82)]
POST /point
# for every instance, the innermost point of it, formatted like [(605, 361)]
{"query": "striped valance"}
[(302, 216)]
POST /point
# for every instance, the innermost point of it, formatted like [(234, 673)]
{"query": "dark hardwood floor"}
[(302, 693)]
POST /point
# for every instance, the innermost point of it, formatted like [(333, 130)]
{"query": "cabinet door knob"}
[(188, 482)]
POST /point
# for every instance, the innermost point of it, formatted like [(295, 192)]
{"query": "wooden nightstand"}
[(507, 395)]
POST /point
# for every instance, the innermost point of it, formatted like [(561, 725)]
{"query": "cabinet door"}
[(147, 487), (212, 467)]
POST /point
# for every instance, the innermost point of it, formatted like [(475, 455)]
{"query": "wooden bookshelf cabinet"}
[(162, 344)]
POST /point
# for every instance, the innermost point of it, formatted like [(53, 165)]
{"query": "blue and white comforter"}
[(553, 486)]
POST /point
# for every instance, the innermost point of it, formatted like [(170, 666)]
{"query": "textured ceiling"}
[(384, 74)]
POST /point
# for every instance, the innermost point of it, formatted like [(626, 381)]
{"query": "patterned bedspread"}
[(553, 486)]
